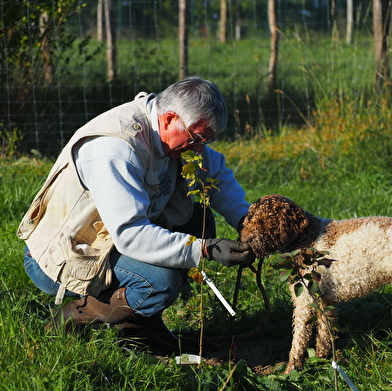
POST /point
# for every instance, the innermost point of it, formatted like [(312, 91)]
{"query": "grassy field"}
[(339, 166)]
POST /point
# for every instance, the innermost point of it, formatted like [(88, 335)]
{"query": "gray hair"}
[(193, 99)]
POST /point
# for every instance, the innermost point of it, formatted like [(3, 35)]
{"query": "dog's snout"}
[(246, 235)]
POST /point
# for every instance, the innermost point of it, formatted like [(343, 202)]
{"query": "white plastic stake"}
[(344, 376), (218, 294)]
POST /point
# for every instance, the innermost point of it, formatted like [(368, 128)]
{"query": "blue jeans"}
[(40, 279), (150, 288)]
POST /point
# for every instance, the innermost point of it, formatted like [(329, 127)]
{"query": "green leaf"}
[(313, 287), (188, 170), (281, 262), (295, 253), (213, 181), (311, 319), (298, 289), (308, 277), (329, 308), (241, 368), (295, 279), (311, 352), (193, 192), (284, 275), (188, 156)]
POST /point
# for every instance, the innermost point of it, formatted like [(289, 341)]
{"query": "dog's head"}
[(272, 223)]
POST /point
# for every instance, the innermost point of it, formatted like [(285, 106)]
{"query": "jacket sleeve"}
[(112, 173)]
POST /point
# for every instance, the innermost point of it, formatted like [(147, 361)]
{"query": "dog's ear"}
[(291, 219)]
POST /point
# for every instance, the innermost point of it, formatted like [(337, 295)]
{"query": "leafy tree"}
[(36, 51), (32, 39)]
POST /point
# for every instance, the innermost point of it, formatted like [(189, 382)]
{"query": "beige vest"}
[(62, 227)]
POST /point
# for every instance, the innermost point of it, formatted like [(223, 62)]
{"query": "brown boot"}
[(109, 307), (112, 307), (152, 332)]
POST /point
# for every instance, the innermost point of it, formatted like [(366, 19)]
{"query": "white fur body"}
[(363, 258)]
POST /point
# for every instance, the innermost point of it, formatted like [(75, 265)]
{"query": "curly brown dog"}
[(362, 248)]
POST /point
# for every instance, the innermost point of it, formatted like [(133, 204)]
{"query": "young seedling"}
[(201, 190)]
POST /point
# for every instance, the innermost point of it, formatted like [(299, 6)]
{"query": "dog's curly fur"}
[(361, 248)]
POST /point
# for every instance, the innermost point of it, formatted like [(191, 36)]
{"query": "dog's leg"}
[(323, 338), (302, 330)]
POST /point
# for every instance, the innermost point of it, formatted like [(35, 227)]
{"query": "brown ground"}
[(262, 355)]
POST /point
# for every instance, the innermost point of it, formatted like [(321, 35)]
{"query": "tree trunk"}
[(110, 40), (350, 23), (222, 21), (381, 25), (334, 19), (100, 21), (273, 26), (45, 49), (183, 38)]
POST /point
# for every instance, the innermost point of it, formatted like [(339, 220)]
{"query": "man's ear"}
[(168, 118)]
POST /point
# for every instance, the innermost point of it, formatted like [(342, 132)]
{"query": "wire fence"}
[(62, 63)]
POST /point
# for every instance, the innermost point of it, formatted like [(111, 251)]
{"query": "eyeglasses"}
[(197, 139)]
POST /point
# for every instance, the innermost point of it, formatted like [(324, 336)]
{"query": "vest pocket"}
[(32, 217), (86, 269)]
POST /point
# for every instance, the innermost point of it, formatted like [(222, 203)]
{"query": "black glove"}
[(228, 252)]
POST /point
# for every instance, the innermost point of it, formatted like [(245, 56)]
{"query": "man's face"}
[(175, 140)]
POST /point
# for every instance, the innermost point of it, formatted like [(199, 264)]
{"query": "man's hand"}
[(228, 252)]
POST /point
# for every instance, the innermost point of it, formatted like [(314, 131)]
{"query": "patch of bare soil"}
[(262, 355)]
